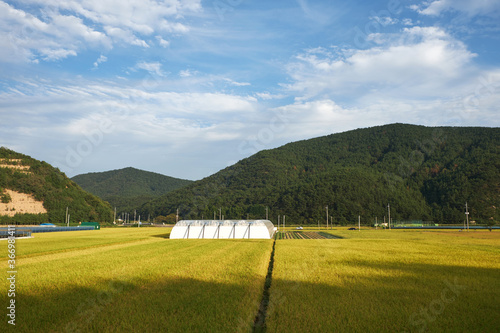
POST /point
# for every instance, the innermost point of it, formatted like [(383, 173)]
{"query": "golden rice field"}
[(126, 280), (138, 280), (387, 281)]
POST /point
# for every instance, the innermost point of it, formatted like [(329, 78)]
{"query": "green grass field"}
[(387, 281), (136, 279)]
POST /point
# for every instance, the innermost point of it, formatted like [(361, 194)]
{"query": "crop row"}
[(304, 235)]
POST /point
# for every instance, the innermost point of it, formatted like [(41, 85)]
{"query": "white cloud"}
[(25, 37), (60, 115), (269, 96), (100, 60), (470, 8), (187, 73), (419, 61), (153, 68), (124, 36), (52, 30), (407, 22), (237, 84), (385, 20), (162, 42)]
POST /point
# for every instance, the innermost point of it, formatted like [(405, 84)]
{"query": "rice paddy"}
[(117, 280), (136, 279), (387, 281)]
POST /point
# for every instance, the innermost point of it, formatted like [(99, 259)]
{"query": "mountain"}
[(128, 188), (33, 191), (424, 173)]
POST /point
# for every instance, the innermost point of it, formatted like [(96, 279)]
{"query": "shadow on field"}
[(165, 236), (173, 305), (373, 296), (384, 297)]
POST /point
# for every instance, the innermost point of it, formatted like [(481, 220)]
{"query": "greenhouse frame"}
[(223, 229)]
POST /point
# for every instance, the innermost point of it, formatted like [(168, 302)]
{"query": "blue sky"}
[(188, 87)]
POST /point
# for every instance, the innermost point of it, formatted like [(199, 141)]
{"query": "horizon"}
[(187, 88)]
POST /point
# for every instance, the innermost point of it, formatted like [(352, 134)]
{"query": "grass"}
[(116, 280), (387, 281)]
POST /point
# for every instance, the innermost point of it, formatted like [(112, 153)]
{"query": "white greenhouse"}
[(223, 229)]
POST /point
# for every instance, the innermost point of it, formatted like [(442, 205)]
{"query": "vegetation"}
[(130, 279), (124, 279), (53, 188), (128, 188), (387, 281), (424, 173), (5, 197)]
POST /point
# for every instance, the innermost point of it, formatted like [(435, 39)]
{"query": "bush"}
[(5, 198)]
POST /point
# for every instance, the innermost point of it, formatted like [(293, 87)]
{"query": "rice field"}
[(138, 280), (121, 280), (387, 281)]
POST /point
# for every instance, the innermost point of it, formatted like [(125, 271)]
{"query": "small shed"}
[(96, 225), (223, 229)]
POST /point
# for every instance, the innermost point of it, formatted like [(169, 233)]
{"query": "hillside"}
[(424, 173), (128, 188), (33, 191)]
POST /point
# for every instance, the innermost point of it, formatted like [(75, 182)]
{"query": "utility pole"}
[(467, 215), (135, 214), (327, 217), (359, 222), (267, 213), (278, 223), (177, 216), (67, 215), (114, 217), (284, 224), (220, 213), (389, 210)]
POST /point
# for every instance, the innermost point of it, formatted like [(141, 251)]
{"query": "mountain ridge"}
[(425, 172), (128, 187)]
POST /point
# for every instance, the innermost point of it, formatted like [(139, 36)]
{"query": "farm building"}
[(223, 229), (96, 225)]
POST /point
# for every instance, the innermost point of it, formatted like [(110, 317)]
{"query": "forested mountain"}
[(23, 174), (128, 188), (424, 173)]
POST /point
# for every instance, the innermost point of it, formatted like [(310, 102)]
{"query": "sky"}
[(186, 88)]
